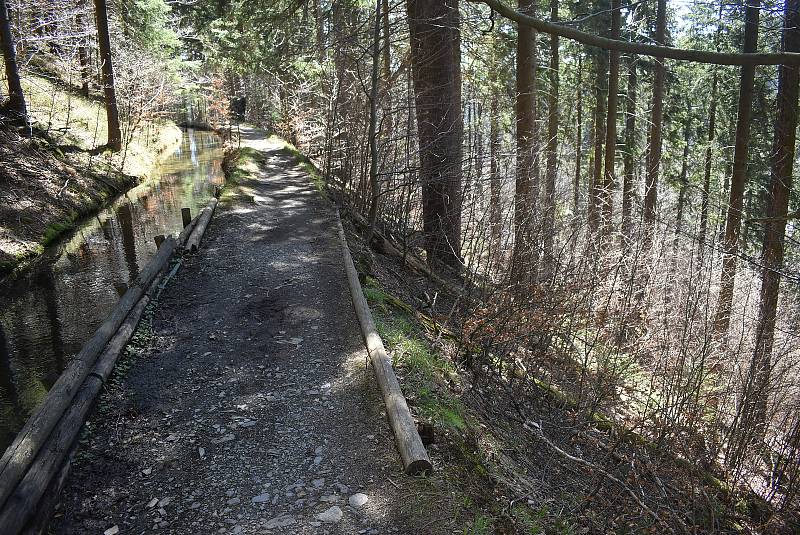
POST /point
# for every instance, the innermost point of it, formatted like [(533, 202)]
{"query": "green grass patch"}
[(424, 368), (72, 119), (241, 165), (481, 525)]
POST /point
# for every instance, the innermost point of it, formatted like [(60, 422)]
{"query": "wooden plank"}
[(21, 506), (21, 453), (47, 506), (412, 451)]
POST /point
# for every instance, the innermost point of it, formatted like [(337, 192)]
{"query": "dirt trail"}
[(253, 411)]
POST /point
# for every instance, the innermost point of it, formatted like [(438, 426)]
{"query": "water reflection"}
[(49, 313)]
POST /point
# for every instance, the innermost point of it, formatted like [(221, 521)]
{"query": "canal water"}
[(47, 314)]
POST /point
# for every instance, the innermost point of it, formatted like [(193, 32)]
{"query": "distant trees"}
[(129, 51), (555, 117)]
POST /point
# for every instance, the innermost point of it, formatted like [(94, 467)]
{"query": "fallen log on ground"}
[(388, 248), (193, 243), (26, 446), (412, 451)]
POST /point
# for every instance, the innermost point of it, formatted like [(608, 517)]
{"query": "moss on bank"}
[(465, 481)]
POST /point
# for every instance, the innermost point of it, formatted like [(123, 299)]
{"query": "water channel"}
[(49, 312)]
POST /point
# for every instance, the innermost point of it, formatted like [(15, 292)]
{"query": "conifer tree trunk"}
[(83, 55), (436, 72), (777, 207), (576, 181), (494, 146), (656, 119), (16, 97), (494, 170), (599, 135), (628, 170), (374, 183), (107, 69), (712, 125), (549, 226), (730, 243), (606, 191), (386, 68), (706, 190), (319, 31), (524, 261), (683, 186)]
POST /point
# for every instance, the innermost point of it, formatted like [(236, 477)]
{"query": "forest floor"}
[(250, 408), (51, 180)]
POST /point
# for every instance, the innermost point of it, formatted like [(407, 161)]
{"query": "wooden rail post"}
[(186, 216), (203, 219)]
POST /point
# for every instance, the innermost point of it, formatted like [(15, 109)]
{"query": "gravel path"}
[(253, 412)]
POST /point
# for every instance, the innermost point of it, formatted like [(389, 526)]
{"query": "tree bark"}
[(706, 191), (628, 170), (576, 181), (778, 196), (386, 56), (599, 136), (436, 71), (606, 191), (549, 226), (494, 172), (524, 256), (712, 125), (683, 186), (107, 69), (319, 31), (83, 58), (494, 147), (16, 97), (375, 185), (730, 243), (656, 119)]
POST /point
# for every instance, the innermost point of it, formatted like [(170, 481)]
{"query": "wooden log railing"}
[(36, 463), (409, 444)]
